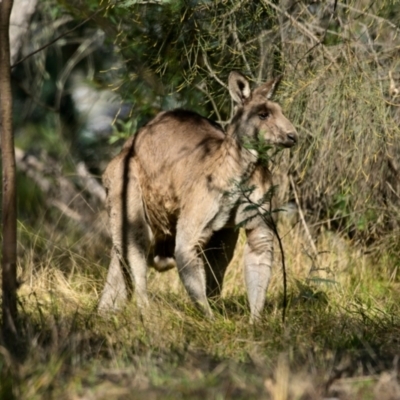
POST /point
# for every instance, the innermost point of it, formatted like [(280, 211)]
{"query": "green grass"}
[(341, 330)]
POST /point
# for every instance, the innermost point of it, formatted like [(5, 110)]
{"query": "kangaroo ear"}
[(268, 89), (239, 87)]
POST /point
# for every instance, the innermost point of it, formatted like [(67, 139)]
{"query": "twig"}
[(303, 221), (43, 174), (380, 19), (33, 97), (375, 56), (203, 88), (91, 184), (56, 39), (302, 29), (391, 188), (239, 46), (393, 90), (65, 210), (234, 8), (81, 52), (145, 2), (284, 276), (211, 71)]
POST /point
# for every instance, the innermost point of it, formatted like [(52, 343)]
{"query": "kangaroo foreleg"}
[(192, 273)]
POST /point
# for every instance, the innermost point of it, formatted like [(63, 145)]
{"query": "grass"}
[(340, 336)]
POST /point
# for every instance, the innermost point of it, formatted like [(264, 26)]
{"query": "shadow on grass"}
[(176, 351)]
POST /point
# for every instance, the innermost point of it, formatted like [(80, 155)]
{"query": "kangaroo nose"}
[(292, 136)]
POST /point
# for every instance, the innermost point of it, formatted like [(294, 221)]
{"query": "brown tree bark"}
[(9, 211)]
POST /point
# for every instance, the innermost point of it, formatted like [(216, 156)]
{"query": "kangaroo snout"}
[(292, 137)]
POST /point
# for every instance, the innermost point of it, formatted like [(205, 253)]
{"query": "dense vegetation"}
[(116, 66)]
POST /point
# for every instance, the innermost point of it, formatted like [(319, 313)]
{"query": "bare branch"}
[(373, 16), (85, 48), (302, 29), (301, 214), (91, 184), (211, 71), (394, 91), (57, 38), (69, 200), (239, 46), (235, 8), (203, 88)]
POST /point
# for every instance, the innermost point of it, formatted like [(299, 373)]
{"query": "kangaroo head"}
[(256, 115)]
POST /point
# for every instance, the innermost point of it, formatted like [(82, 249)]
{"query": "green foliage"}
[(262, 148), (123, 132)]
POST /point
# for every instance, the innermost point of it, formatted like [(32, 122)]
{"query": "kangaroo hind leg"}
[(131, 237)]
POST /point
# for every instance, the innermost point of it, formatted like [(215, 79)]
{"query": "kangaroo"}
[(173, 199)]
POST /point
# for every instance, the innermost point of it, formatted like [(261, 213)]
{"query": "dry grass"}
[(340, 338)]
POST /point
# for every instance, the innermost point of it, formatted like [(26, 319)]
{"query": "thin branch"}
[(380, 19), (284, 275), (44, 178), (264, 32), (203, 88), (91, 184), (302, 29), (146, 2), (301, 215), (394, 91), (81, 52), (57, 38), (65, 210), (211, 71), (239, 46), (234, 9), (33, 97)]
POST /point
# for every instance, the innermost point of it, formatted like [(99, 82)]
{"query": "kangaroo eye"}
[(263, 115)]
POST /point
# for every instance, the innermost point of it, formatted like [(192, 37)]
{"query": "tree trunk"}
[(9, 212)]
